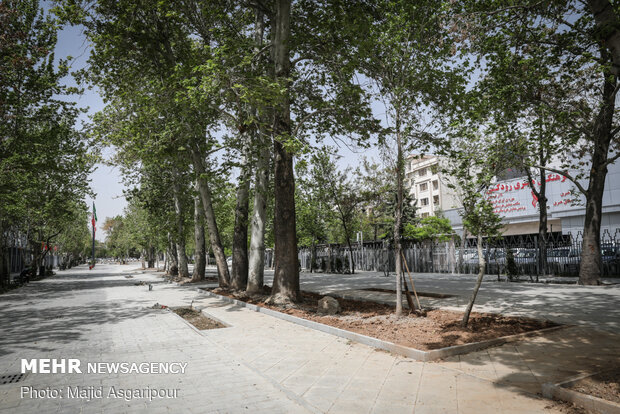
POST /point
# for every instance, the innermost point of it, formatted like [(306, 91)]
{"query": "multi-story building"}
[(512, 199), (427, 185)]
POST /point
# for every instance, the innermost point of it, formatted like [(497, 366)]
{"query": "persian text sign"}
[(516, 198)]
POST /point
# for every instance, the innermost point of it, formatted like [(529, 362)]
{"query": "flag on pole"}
[(94, 217)]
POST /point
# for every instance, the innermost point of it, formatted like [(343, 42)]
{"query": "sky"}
[(106, 181)]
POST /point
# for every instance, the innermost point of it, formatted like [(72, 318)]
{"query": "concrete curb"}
[(589, 402), (377, 343)]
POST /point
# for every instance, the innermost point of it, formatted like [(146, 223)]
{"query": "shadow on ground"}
[(32, 320)]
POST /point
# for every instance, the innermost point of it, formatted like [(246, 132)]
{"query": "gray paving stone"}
[(259, 364)]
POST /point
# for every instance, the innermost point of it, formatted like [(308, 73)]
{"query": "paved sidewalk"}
[(100, 316), (259, 363)]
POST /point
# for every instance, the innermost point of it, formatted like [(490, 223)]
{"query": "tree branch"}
[(565, 174), (612, 159), (261, 51), (306, 118)]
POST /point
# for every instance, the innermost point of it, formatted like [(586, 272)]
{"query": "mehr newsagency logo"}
[(75, 366)]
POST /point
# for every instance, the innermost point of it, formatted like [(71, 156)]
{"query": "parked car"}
[(526, 257), (494, 256), (467, 254), (562, 260), (610, 253)]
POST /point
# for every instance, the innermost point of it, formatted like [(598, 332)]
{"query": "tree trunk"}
[(541, 197), (214, 234), (542, 224), (178, 208), (591, 266), (481, 265), (256, 261), (607, 22), (286, 274), (36, 258), (173, 267), (199, 240), (351, 261), (239, 276), (151, 257), (312, 255), (259, 215), (398, 215)]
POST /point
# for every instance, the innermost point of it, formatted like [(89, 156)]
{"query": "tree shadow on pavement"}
[(28, 329), (550, 357)]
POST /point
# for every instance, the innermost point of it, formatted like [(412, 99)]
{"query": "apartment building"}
[(427, 186)]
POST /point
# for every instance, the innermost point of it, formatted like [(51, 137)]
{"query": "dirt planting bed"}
[(605, 385), (197, 319), (438, 329)]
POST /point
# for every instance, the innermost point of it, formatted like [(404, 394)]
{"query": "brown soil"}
[(438, 329), (566, 407), (197, 319), (605, 385)]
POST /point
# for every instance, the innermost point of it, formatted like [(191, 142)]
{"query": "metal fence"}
[(558, 255)]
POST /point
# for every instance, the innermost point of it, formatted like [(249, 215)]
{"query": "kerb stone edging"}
[(413, 353), (589, 402)]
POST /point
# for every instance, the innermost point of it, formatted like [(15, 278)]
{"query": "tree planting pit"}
[(438, 329), (198, 319)]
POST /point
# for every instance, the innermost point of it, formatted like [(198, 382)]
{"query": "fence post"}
[(452, 255), (329, 258), (537, 256)]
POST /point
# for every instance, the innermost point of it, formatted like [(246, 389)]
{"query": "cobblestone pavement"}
[(257, 364)]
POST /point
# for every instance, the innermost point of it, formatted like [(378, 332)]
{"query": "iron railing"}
[(557, 255)]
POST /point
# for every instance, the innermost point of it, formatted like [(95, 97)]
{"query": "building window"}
[(422, 172), (436, 199), (435, 185), (423, 186), (424, 215), (424, 202)]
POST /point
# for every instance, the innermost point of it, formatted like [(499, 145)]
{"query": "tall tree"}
[(286, 269), (145, 58), (43, 160), (256, 261), (474, 175), (403, 53), (569, 52), (339, 195)]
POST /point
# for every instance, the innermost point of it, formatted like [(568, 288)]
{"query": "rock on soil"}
[(328, 306)]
